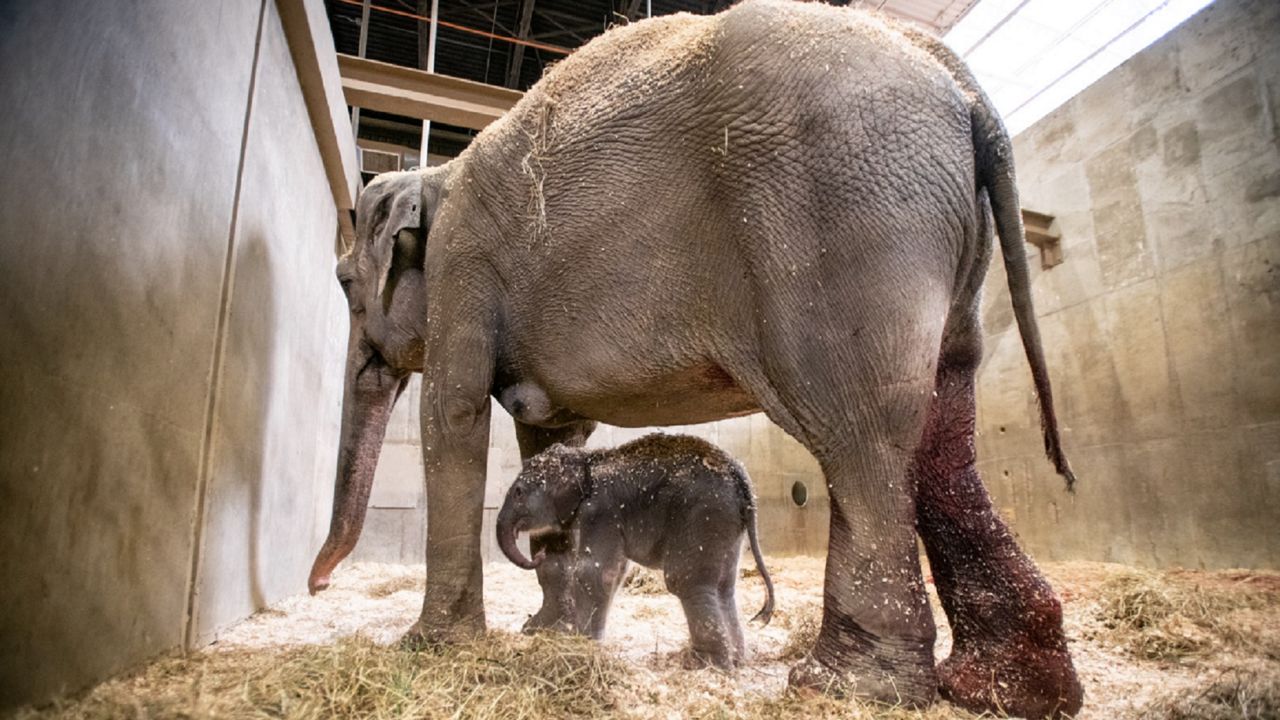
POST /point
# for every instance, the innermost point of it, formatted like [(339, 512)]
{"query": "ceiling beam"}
[(427, 96), (306, 29), (553, 17), (517, 52), (573, 32), (486, 14)]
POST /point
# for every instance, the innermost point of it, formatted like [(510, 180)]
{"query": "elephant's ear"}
[(573, 485), (405, 213)]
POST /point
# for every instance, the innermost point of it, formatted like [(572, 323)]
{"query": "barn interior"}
[(179, 180)]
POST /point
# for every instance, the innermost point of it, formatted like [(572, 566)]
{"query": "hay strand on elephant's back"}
[(539, 138)]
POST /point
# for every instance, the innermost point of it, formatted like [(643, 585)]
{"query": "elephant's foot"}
[(909, 682), (725, 660), (458, 629), (555, 623), (1012, 678), (553, 616), (462, 621), (450, 613)]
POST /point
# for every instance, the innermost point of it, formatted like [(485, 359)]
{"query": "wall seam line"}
[(219, 350)]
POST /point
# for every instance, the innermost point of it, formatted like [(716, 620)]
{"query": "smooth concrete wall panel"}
[(118, 157), (170, 332), (1162, 325), (269, 473)]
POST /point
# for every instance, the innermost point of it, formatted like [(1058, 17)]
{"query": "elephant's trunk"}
[(508, 528), (370, 390)]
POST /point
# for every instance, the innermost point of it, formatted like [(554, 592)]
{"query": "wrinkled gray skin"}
[(674, 503), (781, 208)]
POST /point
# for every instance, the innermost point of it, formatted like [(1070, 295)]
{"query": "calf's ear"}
[(571, 486)]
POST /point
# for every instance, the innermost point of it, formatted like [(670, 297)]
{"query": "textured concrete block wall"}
[(1162, 326), (170, 332)]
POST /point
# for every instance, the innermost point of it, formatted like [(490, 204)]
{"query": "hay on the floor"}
[(293, 661), (802, 624), (815, 706), (1157, 618), (500, 676), (395, 585), (1250, 693)]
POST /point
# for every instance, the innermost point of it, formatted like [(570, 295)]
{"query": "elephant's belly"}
[(647, 410), (695, 395)]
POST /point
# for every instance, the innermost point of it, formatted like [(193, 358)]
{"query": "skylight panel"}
[(1033, 55)]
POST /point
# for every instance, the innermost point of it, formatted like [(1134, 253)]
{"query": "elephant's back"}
[(693, 468), (682, 74), (614, 74), (807, 52)]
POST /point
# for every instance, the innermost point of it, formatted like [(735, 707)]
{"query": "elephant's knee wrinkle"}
[(460, 416)]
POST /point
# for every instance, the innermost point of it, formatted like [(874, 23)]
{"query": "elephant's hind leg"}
[(696, 578), (877, 633), (855, 394), (729, 604), (1009, 654), (710, 638)]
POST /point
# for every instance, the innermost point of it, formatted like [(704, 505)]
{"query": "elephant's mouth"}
[(536, 530), (376, 362)]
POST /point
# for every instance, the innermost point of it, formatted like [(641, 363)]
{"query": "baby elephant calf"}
[(669, 502)]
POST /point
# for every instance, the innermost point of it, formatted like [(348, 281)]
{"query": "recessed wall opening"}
[(799, 493)]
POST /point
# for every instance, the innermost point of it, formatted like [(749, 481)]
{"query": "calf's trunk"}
[(508, 528)]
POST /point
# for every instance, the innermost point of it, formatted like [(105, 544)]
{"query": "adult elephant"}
[(780, 208)]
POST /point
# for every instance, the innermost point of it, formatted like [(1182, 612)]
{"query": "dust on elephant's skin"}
[(671, 502), (784, 208)]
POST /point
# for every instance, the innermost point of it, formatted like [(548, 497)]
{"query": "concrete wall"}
[(395, 529), (170, 333), (1162, 326)]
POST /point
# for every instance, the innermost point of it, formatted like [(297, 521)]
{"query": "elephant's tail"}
[(749, 519), (993, 157), (766, 612)]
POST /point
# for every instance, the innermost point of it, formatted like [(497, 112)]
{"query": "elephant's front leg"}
[(455, 441), (600, 565), (555, 575)]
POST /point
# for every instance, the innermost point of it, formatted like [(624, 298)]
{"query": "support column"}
[(427, 63)]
